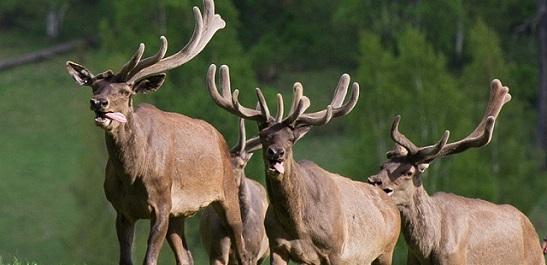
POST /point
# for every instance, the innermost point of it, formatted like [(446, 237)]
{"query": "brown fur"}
[(164, 167), (448, 229), (317, 217), (253, 205)]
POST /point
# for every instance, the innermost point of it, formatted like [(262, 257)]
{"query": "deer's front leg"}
[(158, 230), (125, 230)]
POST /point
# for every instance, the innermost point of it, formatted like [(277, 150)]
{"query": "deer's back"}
[(488, 233)]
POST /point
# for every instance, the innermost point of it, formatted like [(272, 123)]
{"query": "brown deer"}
[(253, 204), (315, 217), (161, 166), (447, 229)]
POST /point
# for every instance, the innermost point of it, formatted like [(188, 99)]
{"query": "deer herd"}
[(166, 167)]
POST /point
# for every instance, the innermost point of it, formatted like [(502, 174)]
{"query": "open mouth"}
[(389, 191), (276, 166), (105, 118)]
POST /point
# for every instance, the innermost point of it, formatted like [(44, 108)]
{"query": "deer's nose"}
[(98, 103), (275, 152)]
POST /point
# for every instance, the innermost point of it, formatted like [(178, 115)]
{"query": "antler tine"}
[(263, 105), (428, 153), (415, 153), (400, 138), (242, 137), (300, 104), (204, 30), (338, 108), (280, 108), (152, 59), (297, 95), (348, 107), (222, 101), (499, 95), (244, 145), (127, 67), (228, 100), (341, 91), (317, 120)]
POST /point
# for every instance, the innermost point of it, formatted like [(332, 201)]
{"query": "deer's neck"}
[(126, 148), (421, 223), (245, 200), (287, 192)]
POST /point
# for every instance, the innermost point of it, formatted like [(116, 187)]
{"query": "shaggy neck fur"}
[(126, 148), (421, 223), (286, 192)]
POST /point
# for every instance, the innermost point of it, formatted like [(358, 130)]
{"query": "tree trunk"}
[(44, 54), (54, 20), (542, 100)]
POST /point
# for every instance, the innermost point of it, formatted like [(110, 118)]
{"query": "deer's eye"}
[(408, 173), (125, 92)]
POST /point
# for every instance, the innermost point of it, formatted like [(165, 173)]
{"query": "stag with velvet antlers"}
[(253, 204), (162, 166), (315, 217), (448, 229)]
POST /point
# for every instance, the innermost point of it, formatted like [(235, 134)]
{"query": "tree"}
[(542, 99)]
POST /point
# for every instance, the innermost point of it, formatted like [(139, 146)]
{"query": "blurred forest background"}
[(430, 61)]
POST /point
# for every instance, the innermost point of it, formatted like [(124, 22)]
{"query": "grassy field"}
[(43, 127)]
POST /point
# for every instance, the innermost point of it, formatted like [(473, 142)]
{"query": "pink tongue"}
[(279, 167), (116, 116)]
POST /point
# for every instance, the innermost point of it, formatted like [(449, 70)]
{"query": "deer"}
[(161, 166), (253, 204), (315, 217), (445, 228)]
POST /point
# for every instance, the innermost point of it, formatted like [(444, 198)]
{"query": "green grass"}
[(42, 127)]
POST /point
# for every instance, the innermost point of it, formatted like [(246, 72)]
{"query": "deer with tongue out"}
[(315, 217), (161, 166)]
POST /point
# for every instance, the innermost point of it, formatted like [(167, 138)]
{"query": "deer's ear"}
[(149, 84), (300, 131), (79, 73)]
